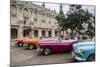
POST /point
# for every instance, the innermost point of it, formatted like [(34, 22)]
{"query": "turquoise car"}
[(84, 51)]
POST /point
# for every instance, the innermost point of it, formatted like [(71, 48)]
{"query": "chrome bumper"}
[(77, 57)]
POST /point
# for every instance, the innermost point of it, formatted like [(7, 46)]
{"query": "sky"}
[(55, 7)]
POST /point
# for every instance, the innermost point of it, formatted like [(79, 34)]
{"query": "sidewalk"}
[(12, 42)]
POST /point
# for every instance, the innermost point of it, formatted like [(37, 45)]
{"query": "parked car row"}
[(81, 50)]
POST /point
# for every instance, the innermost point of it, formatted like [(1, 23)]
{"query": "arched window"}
[(20, 9), (13, 10), (31, 10), (25, 12), (35, 10)]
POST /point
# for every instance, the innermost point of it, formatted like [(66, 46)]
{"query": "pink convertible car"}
[(47, 47)]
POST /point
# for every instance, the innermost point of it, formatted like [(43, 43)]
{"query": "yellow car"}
[(31, 43)]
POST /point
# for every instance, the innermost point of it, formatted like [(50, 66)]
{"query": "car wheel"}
[(20, 44), (47, 51), (91, 58), (30, 46)]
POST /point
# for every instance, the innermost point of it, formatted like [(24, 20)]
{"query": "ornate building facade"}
[(29, 19)]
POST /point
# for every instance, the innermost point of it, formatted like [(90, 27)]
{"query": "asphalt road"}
[(23, 56)]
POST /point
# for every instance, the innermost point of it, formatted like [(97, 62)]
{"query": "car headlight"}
[(79, 51), (74, 45)]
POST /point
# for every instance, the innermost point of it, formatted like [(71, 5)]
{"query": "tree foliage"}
[(75, 17)]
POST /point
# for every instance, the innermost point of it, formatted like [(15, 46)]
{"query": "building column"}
[(32, 33), (38, 22), (46, 31), (20, 31), (53, 33), (40, 33)]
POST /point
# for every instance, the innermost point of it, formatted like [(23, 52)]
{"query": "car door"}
[(63, 46), (57, 47)]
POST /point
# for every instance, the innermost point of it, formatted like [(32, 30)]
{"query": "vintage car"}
[(84, 51), (47, 47), (19, 41), (31, 43)]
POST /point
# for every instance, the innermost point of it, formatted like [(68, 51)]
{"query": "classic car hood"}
[(86, 47), (31, 40), (85, 44)]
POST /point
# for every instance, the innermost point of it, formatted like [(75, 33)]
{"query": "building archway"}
[(35, 33), (43, 33), (56, 33), (25, 12), (14, 33), (49, 33), (26, 32)]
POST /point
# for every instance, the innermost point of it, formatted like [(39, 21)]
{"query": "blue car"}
[(84, 51)]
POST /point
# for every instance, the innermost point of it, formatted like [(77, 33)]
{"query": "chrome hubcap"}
[(20, 44), (47, 51), (31, 47)]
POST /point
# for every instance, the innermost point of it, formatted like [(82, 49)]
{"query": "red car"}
[(47, 47)]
